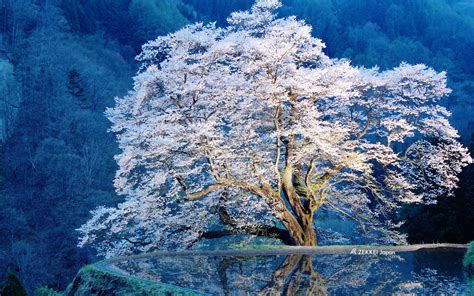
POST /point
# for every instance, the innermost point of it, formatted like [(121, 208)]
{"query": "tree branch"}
[(309, 173), (326, 177), (198, 194), (136, 243), (366, 128), (222, 183), (350, 216), (276, 122), (205, 191), (291, 194)]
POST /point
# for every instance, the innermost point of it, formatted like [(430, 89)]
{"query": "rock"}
[(96, 279)]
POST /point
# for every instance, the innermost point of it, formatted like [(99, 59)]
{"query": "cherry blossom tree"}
[(253, 128)]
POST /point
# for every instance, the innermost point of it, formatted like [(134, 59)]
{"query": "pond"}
[(375, 271)]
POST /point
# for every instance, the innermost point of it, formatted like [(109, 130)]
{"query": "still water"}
[(422, 272)]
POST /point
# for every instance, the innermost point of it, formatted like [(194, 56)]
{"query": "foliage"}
[(44, 291), (468, 260), (57, 161), (96, 279), (75, 88), (11, 286), (387, 32), (9, 99), (156, 17), (450, 219), (257, 112)]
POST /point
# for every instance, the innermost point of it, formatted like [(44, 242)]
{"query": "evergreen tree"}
[(75, 88), (12, 286)]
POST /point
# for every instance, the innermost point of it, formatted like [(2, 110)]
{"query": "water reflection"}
[(423, 272)]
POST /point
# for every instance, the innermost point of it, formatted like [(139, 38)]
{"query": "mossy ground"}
[(44, 291), (468, 261), (95, 279)]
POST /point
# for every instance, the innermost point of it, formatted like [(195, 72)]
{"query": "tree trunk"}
[(295, 276), (309, 233), (302, 232)]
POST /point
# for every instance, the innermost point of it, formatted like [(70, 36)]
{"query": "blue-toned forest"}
[(62, 63)]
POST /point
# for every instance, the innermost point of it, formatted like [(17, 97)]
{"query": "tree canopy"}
[(254, 128)]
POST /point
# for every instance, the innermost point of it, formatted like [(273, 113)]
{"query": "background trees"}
[(10, 99), (42, 41), (448, 220), (57, 159)]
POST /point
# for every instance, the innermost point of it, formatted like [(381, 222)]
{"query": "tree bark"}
[(305, 234), (302, 234), (295, 276), (301, 228)]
